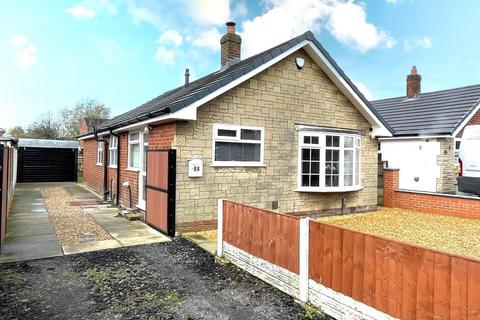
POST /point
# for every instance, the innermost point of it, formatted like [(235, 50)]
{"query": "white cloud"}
[(348, 24), (364, 90), (208, 39), (19, 40), (81, 12), (284, 19), (171, 37), (423, 42), (240, 9), (90, 8), (27, 56), (165, 56), (27, 52), (392, 1), (209, 11)]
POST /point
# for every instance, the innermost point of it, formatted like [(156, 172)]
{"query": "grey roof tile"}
[(438, 112), (178, 98)]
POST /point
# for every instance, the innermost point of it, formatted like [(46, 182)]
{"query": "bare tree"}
[(46, 127), (71, 118)]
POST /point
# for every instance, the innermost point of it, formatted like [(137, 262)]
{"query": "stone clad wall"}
[(445, 160), (276, 99)]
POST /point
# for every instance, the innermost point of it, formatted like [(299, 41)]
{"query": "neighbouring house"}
[(427, 132), (285, 129), (87, 125)]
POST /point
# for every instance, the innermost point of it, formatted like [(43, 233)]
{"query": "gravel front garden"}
[(174, 280), (72, 225), (445, 233)]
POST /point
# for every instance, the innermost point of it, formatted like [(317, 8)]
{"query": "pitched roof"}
[(431, 113), (181, 97)]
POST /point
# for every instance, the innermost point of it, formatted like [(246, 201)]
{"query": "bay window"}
[(112, 147), (328, 162), (134, 150), (99, 152), (235, 145)]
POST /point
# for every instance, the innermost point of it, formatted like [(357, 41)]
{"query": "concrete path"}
[(208, 245), (29, 232), (124, 233)]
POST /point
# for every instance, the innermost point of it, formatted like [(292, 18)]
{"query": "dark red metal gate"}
[(160, 190)]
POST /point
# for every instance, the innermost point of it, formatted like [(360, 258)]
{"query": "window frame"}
[(357, 146), (100, 154), (130, 143), (112, 149), (237, 139)]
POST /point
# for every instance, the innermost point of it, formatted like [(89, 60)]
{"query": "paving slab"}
[(90, 246), (30, 234)]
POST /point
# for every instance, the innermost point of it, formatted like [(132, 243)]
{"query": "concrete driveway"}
[(31, 235)]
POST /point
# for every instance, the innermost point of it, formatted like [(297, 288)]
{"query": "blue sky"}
[(123, 53)]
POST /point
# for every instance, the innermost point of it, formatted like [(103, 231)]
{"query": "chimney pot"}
[(413, 83), (231, 27), (187, 77), (230, 46)]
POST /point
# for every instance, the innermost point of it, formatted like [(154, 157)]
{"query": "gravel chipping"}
[(72, 225), (455, 235), (176, 280)]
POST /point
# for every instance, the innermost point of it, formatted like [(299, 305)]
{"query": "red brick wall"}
[(92, 173), (426, 202), (474, 120), (160, 137)]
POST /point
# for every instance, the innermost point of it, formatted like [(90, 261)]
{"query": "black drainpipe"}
[(117, 198)]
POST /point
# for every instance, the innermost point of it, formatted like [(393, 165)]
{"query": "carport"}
[(41, 160)]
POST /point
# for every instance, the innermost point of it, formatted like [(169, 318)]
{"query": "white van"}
[(469, 160)]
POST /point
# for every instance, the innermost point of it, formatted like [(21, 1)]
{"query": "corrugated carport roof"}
[(431, 113), (45, 143)]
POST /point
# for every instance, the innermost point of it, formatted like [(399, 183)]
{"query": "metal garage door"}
[(160, 190), (47, 164)]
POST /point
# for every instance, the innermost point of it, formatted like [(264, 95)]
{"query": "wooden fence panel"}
[(399, 279), (268, 235)]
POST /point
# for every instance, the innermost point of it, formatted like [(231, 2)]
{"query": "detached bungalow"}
[(427, 132), (285, 129)]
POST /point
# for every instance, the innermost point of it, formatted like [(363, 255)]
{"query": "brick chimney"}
[(413, 83), (230, 46)]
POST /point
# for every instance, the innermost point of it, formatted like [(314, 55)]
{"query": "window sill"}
[(133, 169), (99, 164), (237, 164), (329, 190), (112, 166)]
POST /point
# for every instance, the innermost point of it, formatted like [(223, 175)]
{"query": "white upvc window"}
[(99, 152), (328, 162), (112, 147), (134, 150), (237, 146)]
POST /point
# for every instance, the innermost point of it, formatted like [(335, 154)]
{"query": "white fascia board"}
[(90, 136), (189, 113), (378, 128), (467, 119), (415, 137)]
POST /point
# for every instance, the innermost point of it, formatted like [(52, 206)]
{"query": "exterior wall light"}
[(300, 62)]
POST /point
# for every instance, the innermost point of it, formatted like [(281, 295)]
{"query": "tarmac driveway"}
[(174, 280)]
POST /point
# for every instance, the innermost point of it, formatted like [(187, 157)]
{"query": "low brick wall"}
[(460, 206)]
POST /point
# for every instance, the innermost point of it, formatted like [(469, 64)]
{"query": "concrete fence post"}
[(303, 257), (220, 227)]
